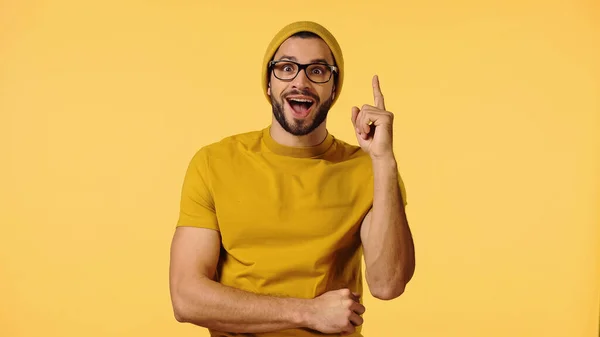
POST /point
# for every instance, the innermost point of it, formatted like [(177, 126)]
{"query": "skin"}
[(388, 248), (311, 130), (386, 237), (198, 299)]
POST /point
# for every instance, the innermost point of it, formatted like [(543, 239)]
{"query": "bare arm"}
[(387, 241), (199, 300)]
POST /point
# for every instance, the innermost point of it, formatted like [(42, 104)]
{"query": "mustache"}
[(303, 93)]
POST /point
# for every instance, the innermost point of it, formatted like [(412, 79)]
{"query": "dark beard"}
[(301, 127)]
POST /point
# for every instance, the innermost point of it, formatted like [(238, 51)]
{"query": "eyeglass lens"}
[(316, 72)]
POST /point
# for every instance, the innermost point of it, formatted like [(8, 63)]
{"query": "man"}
[(274, 223)]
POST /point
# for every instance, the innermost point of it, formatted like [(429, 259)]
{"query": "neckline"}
[(296, 151)]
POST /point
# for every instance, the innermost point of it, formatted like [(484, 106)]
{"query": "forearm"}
[(388, 246), (209, 304)]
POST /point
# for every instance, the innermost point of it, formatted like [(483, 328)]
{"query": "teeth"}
[(300, 100)]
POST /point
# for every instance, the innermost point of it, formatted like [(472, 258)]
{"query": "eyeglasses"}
[(316, 72)]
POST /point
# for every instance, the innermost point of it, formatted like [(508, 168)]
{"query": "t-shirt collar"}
[(296, 151)]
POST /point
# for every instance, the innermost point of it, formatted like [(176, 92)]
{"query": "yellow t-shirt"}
[(289, 217)]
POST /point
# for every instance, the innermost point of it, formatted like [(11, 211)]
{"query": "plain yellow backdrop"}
[(103, 103)]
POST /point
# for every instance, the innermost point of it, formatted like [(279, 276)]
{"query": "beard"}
[(301, 127)]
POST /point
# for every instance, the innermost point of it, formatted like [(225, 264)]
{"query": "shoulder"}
[(228, 146)]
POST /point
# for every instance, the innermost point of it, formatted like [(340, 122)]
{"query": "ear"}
[(269, 89)]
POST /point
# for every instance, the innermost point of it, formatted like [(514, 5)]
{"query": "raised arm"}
[(387, 240), (199, 300)]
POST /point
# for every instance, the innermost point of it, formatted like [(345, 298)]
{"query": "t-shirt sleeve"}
[(197, 207)]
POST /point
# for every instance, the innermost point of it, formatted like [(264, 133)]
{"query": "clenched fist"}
[(336, 311)]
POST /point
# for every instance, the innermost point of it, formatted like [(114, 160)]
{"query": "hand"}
[(336, 311), (373, 125)]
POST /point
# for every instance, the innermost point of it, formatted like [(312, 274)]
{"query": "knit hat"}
[(292, 29)]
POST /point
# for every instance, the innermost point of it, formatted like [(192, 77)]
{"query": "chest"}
[(279, 204)]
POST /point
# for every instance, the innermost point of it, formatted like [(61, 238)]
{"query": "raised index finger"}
[(377, 95)]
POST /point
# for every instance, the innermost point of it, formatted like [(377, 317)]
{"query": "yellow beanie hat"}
[(297, 27)]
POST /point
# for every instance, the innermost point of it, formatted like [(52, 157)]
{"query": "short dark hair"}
[(306, 35)]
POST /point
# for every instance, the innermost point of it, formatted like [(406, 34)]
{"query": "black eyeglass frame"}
[(334, 70)]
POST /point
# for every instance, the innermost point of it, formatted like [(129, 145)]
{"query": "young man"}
[(274, 223)]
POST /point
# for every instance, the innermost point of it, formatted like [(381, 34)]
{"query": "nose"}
[(301, 81)]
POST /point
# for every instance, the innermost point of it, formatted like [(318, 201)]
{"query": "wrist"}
[(302, 313), (384, 162)]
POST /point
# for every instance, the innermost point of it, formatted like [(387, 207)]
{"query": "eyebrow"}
[(293, 58)]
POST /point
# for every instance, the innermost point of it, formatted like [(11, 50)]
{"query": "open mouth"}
[(301, 105)]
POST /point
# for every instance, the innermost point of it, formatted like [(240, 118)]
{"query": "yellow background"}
[(103, 103)]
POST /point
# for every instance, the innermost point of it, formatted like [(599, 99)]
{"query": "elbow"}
[(187, 303), (391, 288), (179, 317), (179, 311), (183, 310), (388, 293)]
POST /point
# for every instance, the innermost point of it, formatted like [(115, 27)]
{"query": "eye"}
[(318, 69), (285, 67)]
